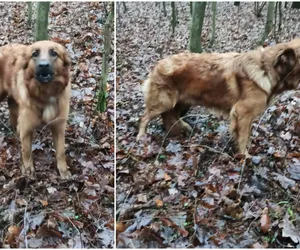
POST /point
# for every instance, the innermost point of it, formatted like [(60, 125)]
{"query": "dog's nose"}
[(44, 64)]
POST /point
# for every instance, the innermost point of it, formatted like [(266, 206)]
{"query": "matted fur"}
[(238, 84), (32, 103)]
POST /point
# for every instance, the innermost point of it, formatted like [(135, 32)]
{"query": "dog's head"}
[(46, 60), (283, 61)]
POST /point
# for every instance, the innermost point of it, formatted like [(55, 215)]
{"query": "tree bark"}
[(269, 22), (196, 26), (29, 18), (41, 26), (125, 8), (213, 32), (275, 22), (191, 8), (102, 94), (280, 17), (173, 20), (164, 9)]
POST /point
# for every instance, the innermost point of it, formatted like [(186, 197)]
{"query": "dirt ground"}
[(49, 212), (191, 191)]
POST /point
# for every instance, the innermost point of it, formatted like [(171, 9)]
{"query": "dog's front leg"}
[(27, 122), (58, 133)]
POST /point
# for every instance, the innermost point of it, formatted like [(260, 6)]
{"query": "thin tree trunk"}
[(164, 9), (41, 26), (213, 32), (125, 8), (269, 22), (275, 22), (280, 17), (101, 105), (29, 18), (196, 26), (173, 20), (191, 8)]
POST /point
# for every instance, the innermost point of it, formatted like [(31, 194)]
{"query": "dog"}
[(239, 85), (36, 80)]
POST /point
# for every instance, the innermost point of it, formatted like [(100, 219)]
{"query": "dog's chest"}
[(50, 110)]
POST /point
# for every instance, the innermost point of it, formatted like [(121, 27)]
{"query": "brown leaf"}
[(159, 203), (13, 234), (44, 203), (120, 227), (265, 223), (167, 177)]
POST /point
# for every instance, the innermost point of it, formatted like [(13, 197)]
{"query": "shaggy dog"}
[(36, 80), (237, 84)]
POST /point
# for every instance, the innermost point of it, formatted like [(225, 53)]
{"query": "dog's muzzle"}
[(44, 72)]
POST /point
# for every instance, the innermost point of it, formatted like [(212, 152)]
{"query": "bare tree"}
[(124, 6), (213, 32), (102, 93), (174, 18), (196, 26), (29, 18), (191, 8), (269, 22), (41, 25), (258, 7), (164, 9)]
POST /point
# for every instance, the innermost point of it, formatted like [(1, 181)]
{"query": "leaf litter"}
[(190, 191), (48, 212)]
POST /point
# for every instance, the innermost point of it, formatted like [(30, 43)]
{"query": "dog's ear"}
[(64, 55), (285, 62), (66, 59), (26, 56)]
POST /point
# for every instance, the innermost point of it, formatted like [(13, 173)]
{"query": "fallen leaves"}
[(220, 199), (52, 213)]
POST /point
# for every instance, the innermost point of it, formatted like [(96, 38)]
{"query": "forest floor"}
[(191, 191), (49, 212)]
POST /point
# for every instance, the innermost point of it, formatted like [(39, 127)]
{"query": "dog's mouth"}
[(44, 77)]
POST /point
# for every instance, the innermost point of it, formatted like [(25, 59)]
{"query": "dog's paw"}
[(28, 171), (186, 127), (139, 137), (65, 174)]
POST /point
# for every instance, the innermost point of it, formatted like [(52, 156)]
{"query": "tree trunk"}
[(29, 18), (280, 17), (101, 105), (196, 26), (173, 20), (125, 8), (213, 32), (269, 22), (295, 5), (275, 22), (191, 8), (41, 25), (164, 9)]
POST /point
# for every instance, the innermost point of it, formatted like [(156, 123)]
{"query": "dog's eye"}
[(53, 52), (35, 53)]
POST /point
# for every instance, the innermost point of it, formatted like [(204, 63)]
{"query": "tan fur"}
[(32, 103), (239, 85)]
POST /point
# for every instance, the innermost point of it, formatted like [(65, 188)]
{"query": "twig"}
[(135, 207)]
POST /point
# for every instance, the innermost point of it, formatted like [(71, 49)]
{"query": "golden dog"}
[(237, 84), (36, 80)]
